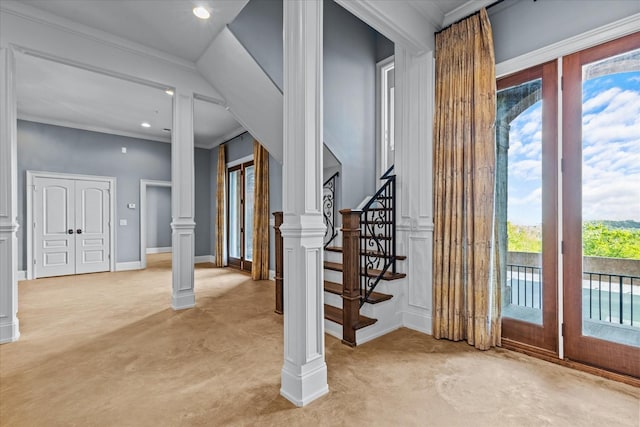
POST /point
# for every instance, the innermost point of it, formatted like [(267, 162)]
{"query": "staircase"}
[(360, 266)]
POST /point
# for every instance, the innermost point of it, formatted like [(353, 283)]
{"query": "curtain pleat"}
[(220, 207), (465, 289), (260, 262)]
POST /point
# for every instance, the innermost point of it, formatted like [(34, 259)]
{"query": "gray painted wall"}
[(521, 26), (50, 148), (259, 28), (158, 217), (238, 148), (351, 49), (384, 47)]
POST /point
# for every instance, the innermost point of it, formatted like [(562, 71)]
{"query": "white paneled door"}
[(71, 226)]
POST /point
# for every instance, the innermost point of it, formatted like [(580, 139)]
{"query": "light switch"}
[(123, 222), (124, 150), (131, 205)]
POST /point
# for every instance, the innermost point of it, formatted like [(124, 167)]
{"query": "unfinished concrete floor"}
[(106, 350)]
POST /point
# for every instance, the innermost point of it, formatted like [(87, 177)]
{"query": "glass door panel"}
[(235, 216), (249, 185), (526, 195), (601, 195)]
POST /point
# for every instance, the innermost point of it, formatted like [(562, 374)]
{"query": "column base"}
[(303, 388), (9, 332), (183, 301)]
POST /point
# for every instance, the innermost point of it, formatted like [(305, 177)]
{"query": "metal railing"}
[(607, 297), (378, 236), (525, 285), (615, 292), (329, 208)]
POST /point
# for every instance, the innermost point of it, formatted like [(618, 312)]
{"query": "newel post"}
[(278, 277), (350, 275)]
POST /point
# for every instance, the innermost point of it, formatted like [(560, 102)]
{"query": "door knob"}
[(78, 231), (69, 231)]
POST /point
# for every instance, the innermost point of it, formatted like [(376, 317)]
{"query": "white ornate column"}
[(414, 168), (182, 202), (304, 374), (9, 325)]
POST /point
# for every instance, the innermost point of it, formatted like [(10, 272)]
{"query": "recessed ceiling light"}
[(201, 12), (169, 92), (145, 125)]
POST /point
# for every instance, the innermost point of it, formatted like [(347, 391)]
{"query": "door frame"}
[(144, 183), (241, 162), (31, 176)]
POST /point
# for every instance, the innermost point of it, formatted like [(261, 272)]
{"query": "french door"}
[(601, 198), (526, 207), (241, 184)]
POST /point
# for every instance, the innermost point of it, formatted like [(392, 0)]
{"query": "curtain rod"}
[(469, 16), (231, 139)]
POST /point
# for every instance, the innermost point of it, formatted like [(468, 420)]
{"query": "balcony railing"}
[(610, 298)]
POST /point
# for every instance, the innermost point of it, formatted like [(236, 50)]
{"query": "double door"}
[(571, 205), (71, 226), (240, 191)]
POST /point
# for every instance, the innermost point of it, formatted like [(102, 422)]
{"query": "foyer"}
[(104, 349)]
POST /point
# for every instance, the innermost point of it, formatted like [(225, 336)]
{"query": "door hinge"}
[(562, 165), (34, 261), (562, 247), (561, 82), (562, 329), (34, 224)]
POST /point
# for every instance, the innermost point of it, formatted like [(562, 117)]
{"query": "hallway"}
[(106, 349)]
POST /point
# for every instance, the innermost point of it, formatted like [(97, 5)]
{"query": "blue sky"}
[(611, 153)]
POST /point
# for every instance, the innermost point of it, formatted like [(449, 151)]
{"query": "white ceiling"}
[(59, 94), (166, 25)]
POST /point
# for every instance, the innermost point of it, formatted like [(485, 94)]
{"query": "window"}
[(386, 114)]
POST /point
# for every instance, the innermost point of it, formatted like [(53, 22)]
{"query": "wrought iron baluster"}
[(329, 208)]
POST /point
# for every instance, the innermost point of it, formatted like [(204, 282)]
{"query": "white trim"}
[(109, 131), (571, 45), (126, 266), (464, 10), (22, 275), (31, 175), (42, 17), (163, 250), (381, 104), (245, 159), (199, 259), (144, 183), (417, 321)]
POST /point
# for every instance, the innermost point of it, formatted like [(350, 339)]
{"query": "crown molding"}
[(45, 18), (430, 11), (99, 129), (464, 10), (571, 45), (227, 136)]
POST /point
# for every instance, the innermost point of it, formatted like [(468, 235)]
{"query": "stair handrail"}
[(329, 208), (378, 235)]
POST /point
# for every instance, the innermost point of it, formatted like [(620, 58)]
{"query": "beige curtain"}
[(220, 207), (260, 262), (465, 289)]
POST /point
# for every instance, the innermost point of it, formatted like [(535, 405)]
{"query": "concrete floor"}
[(105, 349)]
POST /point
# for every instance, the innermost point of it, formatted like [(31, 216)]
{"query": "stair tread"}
[(374, 297), (335, 315), (370, 253), (335, 266)]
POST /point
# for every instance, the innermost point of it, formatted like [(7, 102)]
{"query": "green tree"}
[(599, 239)]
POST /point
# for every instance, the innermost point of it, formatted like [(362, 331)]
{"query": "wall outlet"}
[(123, 222), (124, 150), (131, 205)]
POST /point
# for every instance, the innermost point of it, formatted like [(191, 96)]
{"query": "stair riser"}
[(333, 299), (333, 276), (333, 256)]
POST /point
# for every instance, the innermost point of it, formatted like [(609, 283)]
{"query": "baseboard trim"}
[(22, 275), (162, 250), (204, 258), (417, 321), (272, 275), (366, 338), (549, 356), (131, 265), (10, 332)]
